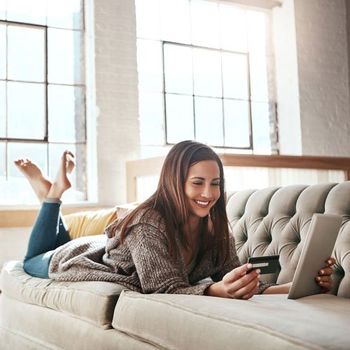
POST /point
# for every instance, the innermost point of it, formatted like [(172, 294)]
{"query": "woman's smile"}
[(202, 187)]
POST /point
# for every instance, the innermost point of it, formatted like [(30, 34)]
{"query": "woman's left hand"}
[(324, 277)]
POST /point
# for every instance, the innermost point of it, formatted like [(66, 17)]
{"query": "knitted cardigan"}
[(142, 263)]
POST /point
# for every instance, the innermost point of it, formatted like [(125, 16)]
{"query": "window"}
[(42, 91), (204, 74)]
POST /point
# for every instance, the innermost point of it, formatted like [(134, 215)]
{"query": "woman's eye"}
[(197, 183), (216, 183)]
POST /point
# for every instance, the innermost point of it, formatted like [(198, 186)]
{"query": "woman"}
[(168, 244)]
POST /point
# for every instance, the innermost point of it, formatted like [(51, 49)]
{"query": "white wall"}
[(116, 96), (311, 48)]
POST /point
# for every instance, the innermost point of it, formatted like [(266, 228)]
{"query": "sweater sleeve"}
[(157, 271)]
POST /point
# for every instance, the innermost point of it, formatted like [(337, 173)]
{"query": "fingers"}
[(241, 289), (324, 278), (252, 292), (237, 273), (240, 284), (326, 271), (330, 261)]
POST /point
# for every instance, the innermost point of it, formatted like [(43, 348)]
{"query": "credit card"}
[(266, 264)]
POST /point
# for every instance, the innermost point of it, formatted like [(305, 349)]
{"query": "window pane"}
[(205, 23), (235, 76), (257, 47), (233, 28), (65, 61), (77, 177), (209, 123), (36, 152), (2, 9), (65, 14), (33, 11), (178, 69), (66, 114), (207, 73), (26, 53), (149, 64), (2, 161), (2, 109), (2, 51), (261, 128), (17, 189), (237, 123), (179, 118), (256, 31), (27, 118), (151, 111), (174, 12), (148, 19), (258, 73)]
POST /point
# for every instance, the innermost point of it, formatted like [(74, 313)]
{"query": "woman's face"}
[(202, 187)]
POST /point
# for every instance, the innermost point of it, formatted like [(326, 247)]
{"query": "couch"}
[(45, 314)]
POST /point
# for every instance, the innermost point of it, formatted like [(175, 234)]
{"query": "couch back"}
[(276, 220)]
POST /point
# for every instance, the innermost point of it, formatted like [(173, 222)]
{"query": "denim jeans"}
[(48, 233)]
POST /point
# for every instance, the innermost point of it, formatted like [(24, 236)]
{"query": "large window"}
[(204, 74), (42, 91)]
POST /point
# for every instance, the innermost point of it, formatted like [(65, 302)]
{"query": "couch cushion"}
[(93, 302), (200, 322), (276, 220)]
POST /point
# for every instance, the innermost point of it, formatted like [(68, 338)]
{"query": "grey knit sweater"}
[(141, 263)]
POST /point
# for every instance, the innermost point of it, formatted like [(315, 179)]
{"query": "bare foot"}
[(62, 183), (40, 184)]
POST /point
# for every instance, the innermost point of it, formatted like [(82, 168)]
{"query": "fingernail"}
[(258, 271), (318, 278), (249, 266), (322, 272)]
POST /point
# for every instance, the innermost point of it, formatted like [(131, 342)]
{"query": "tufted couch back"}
[(276, 220)]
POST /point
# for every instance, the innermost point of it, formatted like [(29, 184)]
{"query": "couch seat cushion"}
[(264, 322), (93, 302)]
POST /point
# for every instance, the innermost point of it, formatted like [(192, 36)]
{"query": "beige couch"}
[(44, 314)]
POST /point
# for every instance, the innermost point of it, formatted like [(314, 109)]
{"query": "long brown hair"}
[(170, 201)]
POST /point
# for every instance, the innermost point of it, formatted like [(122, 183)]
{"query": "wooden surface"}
[(152, 166)]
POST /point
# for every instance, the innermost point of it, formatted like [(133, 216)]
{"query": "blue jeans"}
[(47, 234)]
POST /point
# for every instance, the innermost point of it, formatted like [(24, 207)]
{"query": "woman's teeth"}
[(202, 203)]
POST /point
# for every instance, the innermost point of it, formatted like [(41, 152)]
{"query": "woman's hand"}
[(237, 284), (324, 277)]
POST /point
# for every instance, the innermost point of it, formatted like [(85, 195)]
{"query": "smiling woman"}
[(168, 244)]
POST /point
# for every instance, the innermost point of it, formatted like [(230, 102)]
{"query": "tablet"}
[(317, 249)]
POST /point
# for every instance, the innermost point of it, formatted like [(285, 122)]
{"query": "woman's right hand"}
[(236, 284)]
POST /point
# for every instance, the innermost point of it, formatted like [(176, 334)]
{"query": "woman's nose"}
[(207, 192)]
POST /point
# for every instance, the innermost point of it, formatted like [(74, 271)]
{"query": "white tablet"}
[(317, 249)]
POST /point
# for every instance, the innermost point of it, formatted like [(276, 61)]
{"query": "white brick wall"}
[(116, 96), (323, 76), (313, 77)]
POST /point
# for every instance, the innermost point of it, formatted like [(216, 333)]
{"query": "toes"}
[(19, 162)]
